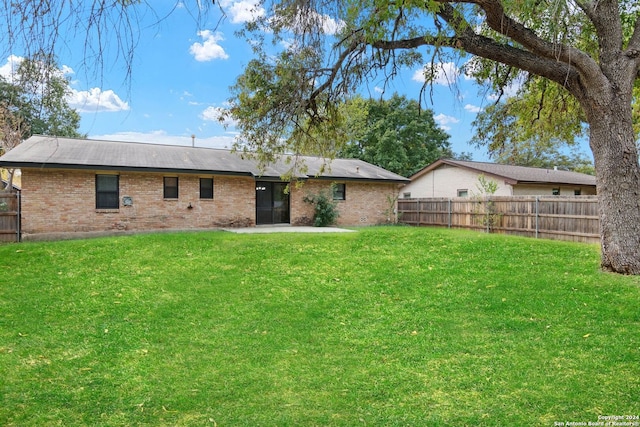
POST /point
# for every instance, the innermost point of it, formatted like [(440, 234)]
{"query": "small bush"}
[(325, 209)]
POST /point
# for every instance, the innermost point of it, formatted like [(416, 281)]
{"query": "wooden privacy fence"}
[(9, 217), (548, 217)]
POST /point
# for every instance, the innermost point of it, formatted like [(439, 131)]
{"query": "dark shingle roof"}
[(515, 174), (69, 153)]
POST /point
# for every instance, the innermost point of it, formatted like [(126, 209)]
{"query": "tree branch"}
[(479, 45), (633, 48), (500, 22), (605, 16)]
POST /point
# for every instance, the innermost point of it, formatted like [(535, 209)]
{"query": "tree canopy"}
[(37, 93), (525, 131), (394, 134), (33, 101)]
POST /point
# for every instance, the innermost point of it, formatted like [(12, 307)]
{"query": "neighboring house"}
[(456, 178), (75, 185)]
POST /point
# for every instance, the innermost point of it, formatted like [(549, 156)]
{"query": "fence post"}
[(449, 209), (487, 208), (418, 211), (537, 216)]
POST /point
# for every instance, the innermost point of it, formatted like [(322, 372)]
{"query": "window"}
[(555, 192), (170, 187), (577, 192), (107, 192), (406, 195), (206, 188), (463, 193), (339, 192)]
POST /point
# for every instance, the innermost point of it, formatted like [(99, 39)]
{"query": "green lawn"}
[(391, 326)]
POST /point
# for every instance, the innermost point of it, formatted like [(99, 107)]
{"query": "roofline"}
[(449, 162), (28, 165), (341, 178), (507, 180)]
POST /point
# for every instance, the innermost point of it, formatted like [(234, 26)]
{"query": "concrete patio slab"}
[(287, 229)]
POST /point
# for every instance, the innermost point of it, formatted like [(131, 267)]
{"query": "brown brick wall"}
[(64, 201), (364, 204), (61, 201)]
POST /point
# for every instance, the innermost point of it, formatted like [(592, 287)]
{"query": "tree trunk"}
[(618, 184)]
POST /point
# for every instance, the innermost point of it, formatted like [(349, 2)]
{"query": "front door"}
[(272, 203)]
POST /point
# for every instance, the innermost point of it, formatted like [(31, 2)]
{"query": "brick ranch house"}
[(75, 185)]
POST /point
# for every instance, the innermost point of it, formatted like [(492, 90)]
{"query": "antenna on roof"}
[(193, 140)]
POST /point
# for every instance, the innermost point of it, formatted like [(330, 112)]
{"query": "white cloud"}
[(243, 11), (330, 25), (209, 49), (215, 114), (92, 100), (9, 68), (162, 137), (444, 73), (13, 62), (444, 121), (472, 108), (67, 71), (95, 100)]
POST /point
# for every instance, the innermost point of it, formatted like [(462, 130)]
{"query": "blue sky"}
[(180, 79)]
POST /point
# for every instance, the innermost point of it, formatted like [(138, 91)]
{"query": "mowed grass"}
[(389, 326)]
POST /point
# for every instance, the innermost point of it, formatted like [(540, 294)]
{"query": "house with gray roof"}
[(80, 185), (456, 178)]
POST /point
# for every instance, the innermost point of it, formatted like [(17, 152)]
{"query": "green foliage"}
[(540, 127), (487, 187), (325, 209), (389, 326), (395, 134), (36, 97), (485, 208), (377, 38)]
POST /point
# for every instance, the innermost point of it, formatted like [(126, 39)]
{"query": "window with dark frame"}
[(463, 192), (339, 191), (170, 187), (107, 192), (206, 188), (555, 192)]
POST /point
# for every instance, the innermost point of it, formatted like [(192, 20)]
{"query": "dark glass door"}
[(272, 203)]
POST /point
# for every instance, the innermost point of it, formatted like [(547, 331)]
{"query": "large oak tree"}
[(588, 48)]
